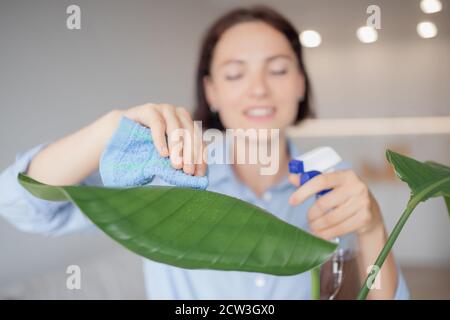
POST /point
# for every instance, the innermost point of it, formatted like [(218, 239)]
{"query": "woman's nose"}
[(258, 87)]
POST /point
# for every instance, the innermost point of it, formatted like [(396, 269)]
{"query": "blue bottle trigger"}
[(296, 166)]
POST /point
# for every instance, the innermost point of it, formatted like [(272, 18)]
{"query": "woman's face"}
[(255, 81)]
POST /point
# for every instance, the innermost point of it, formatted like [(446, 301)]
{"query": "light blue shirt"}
[(31, 214)]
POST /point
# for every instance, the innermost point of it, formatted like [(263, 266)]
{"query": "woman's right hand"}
[(73, 158), (173, 133)]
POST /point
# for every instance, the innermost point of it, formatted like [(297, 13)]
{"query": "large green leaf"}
[(426, 180), (193, 229)]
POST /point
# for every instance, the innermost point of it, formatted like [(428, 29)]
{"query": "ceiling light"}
[(367, 34), (310, 38), (430, 6), (427, 29)]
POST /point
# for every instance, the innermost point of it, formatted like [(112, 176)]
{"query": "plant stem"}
[(386, 249), (315, 283)]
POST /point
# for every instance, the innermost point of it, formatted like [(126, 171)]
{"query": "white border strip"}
[(371, 127)]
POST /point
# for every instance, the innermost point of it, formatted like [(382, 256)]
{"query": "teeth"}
[(259, 112)]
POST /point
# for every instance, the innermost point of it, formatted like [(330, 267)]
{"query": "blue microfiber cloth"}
[(131, 159)]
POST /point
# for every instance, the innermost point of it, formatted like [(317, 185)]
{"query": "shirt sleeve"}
[(31, 214)]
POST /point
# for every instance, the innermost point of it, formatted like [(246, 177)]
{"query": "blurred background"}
[(390, 93)]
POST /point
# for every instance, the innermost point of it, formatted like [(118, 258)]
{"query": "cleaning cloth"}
[(131, 159)]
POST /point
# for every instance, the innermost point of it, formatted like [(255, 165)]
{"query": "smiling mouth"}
[(260, 112)]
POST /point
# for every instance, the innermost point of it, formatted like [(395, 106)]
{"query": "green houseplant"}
[(426, 180), (202, 229)]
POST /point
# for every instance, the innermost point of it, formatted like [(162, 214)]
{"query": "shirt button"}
[(267, 196), (260, 281)]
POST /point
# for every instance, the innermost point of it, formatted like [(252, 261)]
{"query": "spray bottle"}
[(313, 163)]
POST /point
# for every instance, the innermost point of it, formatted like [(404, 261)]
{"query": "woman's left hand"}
[(348, 207)]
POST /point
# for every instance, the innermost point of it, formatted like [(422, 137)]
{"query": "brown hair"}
[(257, 13)]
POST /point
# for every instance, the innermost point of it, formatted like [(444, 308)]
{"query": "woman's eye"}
[(232, 77), (278, 71)]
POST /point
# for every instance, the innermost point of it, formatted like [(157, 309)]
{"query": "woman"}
[(250, 75)]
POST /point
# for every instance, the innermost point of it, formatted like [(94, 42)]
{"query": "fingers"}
[(185, 141), (157, 125), (200, 146), (333, 217), (329, 201), (318, 183), (294, 178), (349, 207), (188, 145), (348, 225), (173, 133)]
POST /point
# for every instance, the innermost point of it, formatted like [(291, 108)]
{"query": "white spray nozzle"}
[(321, 159)]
